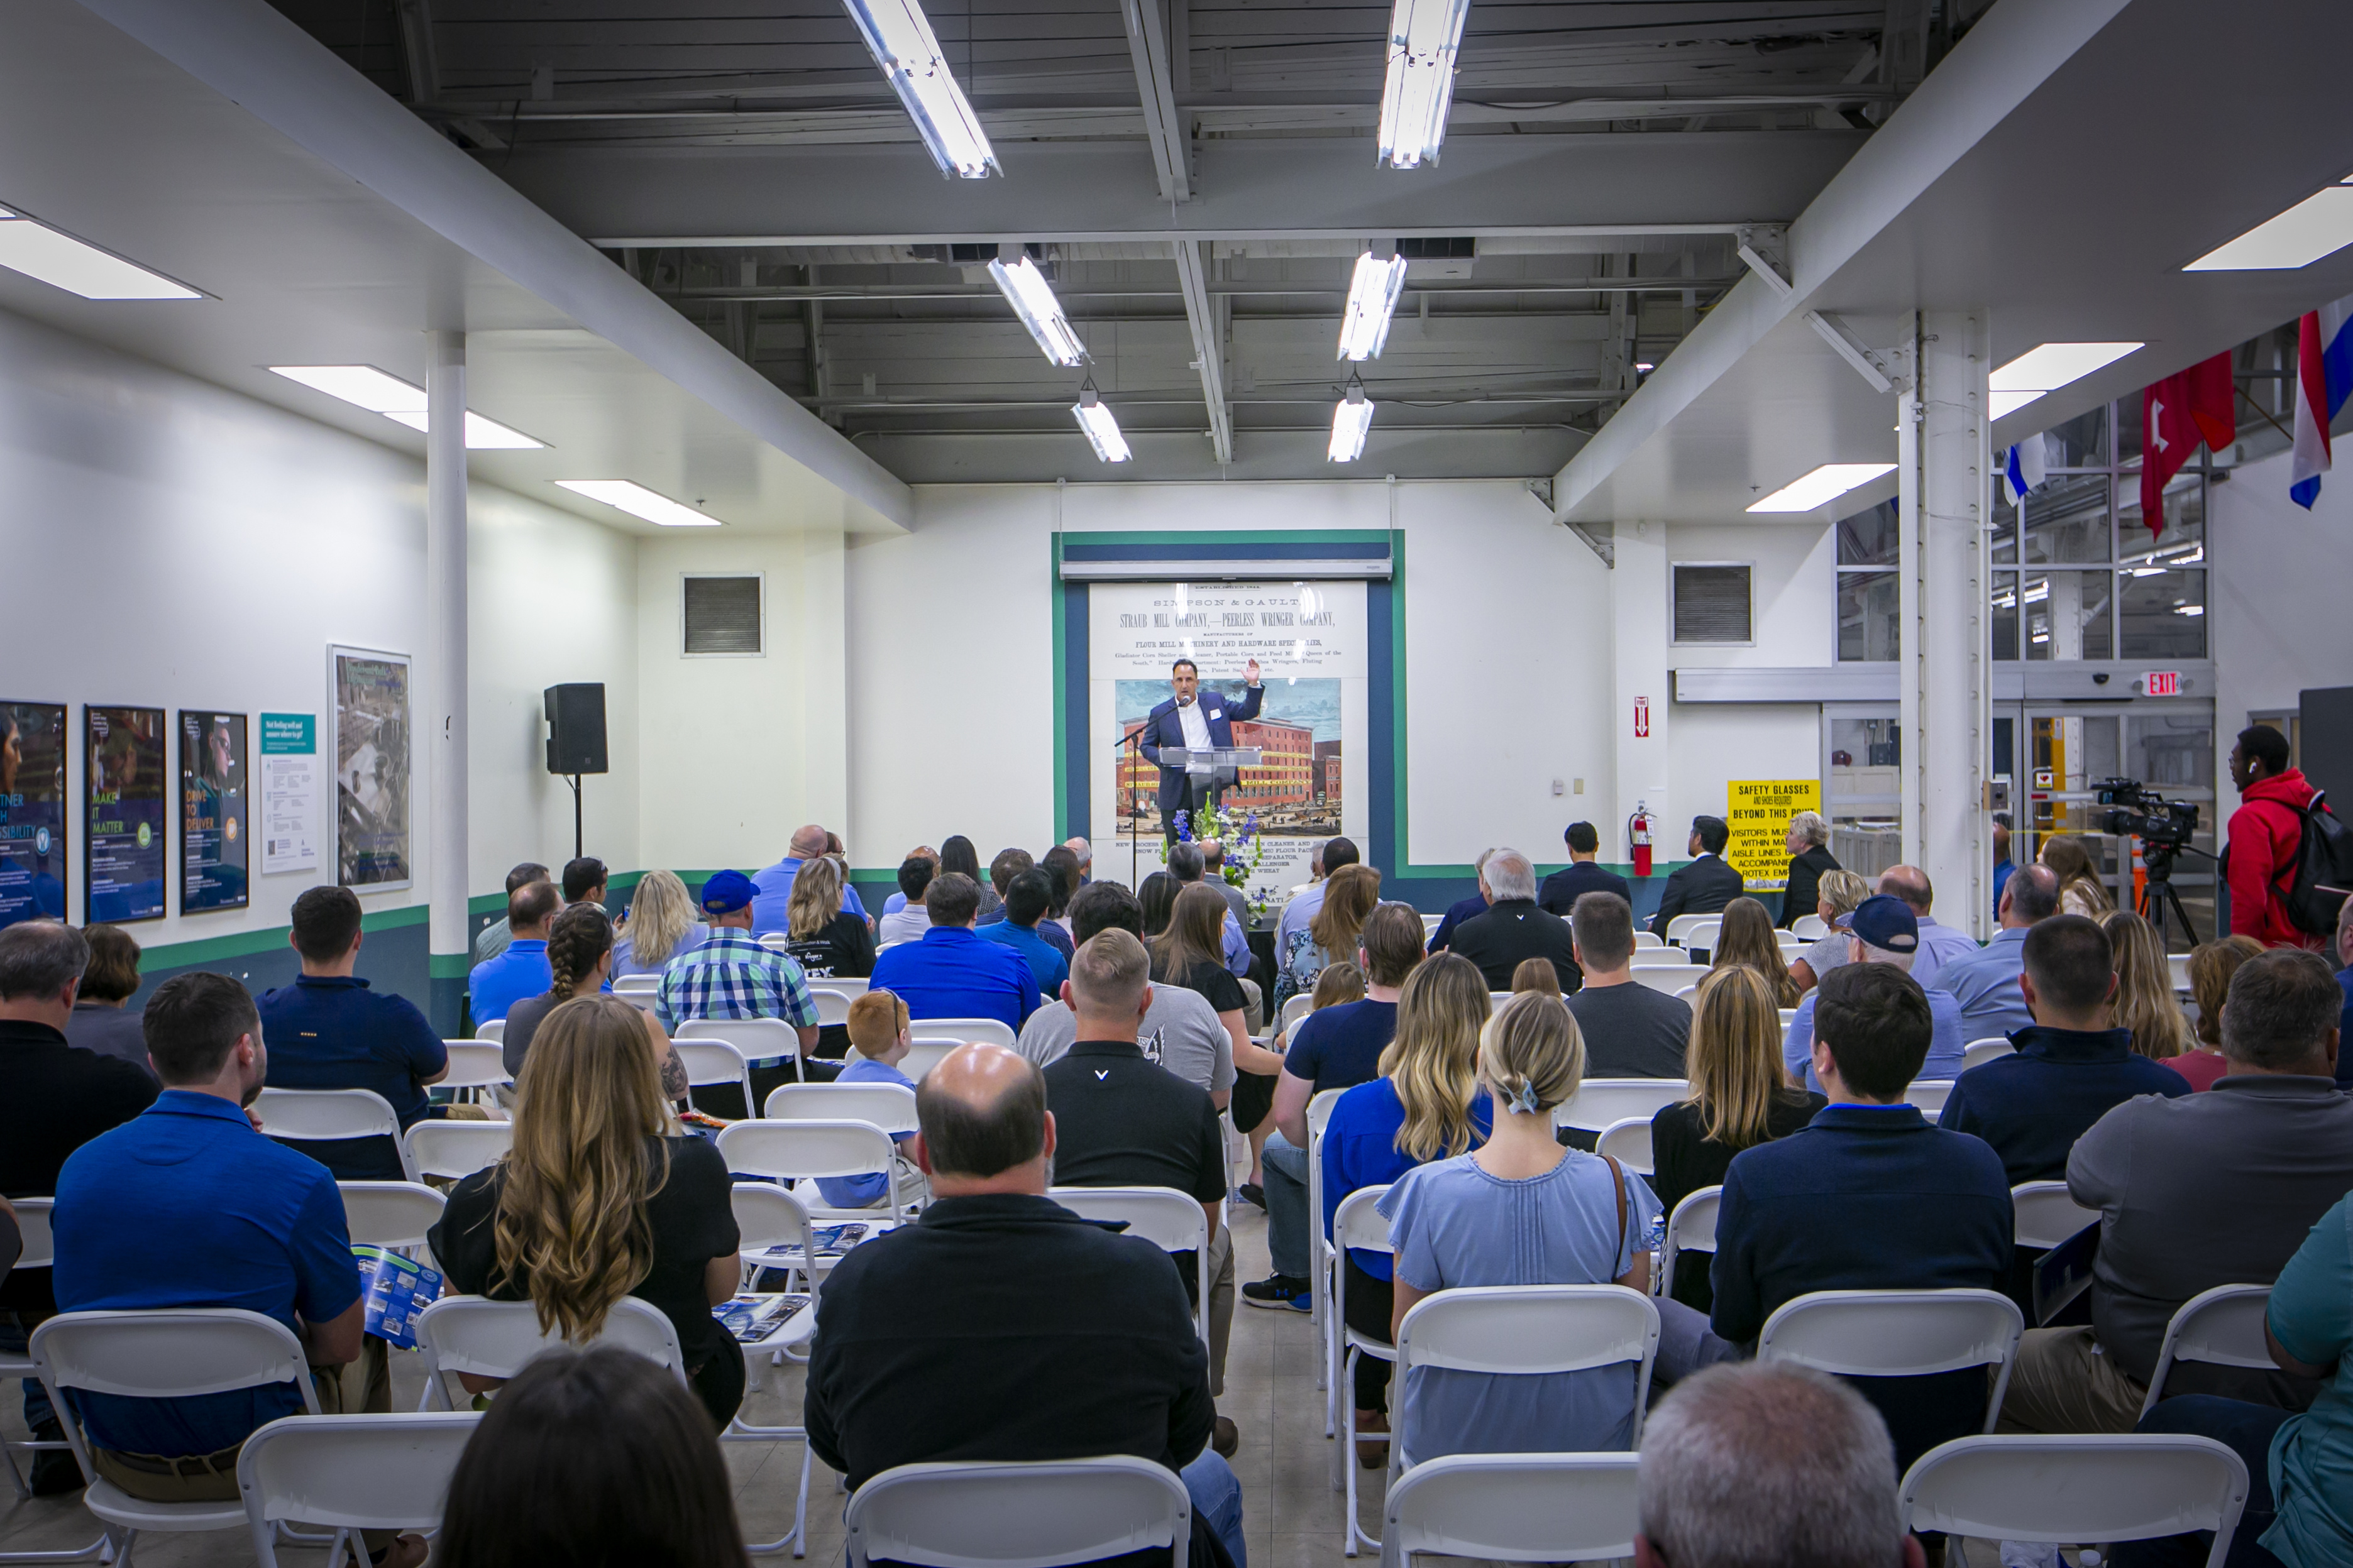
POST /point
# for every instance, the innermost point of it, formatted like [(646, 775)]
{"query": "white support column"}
[(1638, 604), (449, 941), (1944, 468)]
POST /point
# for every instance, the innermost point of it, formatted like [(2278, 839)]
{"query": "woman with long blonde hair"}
[(1746, 940), (1738, 1100), (601, 1198), (1520, 1210), (661, 926), (1425, 1106), (2080, 892), (1350, 895), (824, 938), (1836, 895), (2145, 1002)]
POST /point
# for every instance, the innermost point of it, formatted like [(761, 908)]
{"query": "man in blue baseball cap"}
[(1882, 930), (733, 976)]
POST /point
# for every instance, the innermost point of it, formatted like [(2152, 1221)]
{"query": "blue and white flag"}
[(2023, 467), (2323, 377)]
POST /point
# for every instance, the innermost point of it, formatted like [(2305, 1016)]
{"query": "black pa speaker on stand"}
[(575, 738)]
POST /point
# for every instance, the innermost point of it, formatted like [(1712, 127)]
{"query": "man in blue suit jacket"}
[(1210, 719)]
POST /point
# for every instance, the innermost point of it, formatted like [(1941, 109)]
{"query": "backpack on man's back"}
[(2315, 886)]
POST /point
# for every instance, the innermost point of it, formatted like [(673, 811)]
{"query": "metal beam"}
[(1209, 345), (416, 51), (1303, 187), (1066, 290), (1164, 127)]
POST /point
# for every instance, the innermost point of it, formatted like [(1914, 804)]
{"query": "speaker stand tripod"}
[(573, 779)]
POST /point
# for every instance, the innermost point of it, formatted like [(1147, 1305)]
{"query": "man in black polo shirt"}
[(1514, 929), (1123, 1121), (1003, 1327), (54, 1098)]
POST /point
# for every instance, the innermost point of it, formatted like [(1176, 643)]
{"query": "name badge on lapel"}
[(1217, 713)]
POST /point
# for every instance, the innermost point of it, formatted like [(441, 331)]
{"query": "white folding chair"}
[(832, 1006), (1294, 1009), (1319, 1251), (1679, 929), (807, 1150), (1670, 978), (482, 1337), (889, 1106), (1929, 1094), (1788, 1017), (2222, 1327), (495, 1031), (1791, 943), (1661, 957), (773, 1231), (350, 1473), (2078, 1489), (1897, 1334), (753, 1040), (390, 1214), (456, 1150), (2046, 1215), (1358, 1223), (964, 1031), (1688, 993), (1159, 1216), (169, 1353), (1430, 924), (1497, 999), (1976, 1053), (637, 985), (1523, 1330), (1009, 1515), (330, 1115), (474, 1066), (850, 985), (2177, 966), (1690, 1229), (1703, 933), (39, 1252), (1627, 1142), (1809, 928), (1645, 939), (923, 1056), (1514, 1508), (1600, 1102), (778, 942), (712, 1062)]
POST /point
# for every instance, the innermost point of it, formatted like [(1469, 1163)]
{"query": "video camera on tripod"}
[(2164, 828)]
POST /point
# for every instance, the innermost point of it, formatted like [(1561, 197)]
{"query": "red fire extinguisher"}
[(1638, 835)]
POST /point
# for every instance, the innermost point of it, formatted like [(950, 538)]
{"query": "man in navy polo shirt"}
[(1027, 898), (954, 972), (328, 1030), (188, 1205), (521, 970), (1868, 1197)]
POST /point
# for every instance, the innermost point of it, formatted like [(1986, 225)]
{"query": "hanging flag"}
[(2176, 413), (2324, 374), (2023, 467)]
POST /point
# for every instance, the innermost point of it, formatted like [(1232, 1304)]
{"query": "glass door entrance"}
[(2069, 750)]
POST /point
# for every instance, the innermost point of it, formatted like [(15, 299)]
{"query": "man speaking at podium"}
[(1195, 722)]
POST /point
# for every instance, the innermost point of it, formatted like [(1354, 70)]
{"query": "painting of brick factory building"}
[(1295, 788)]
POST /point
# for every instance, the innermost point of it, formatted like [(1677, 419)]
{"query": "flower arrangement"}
[(1245, 846)]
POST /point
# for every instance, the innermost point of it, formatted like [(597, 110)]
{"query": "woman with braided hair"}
[(580, 958)]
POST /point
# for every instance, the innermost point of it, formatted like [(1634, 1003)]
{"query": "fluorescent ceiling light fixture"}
[(64, 262), (1425, 35), (900, 38), (2189, 609), (1033, 300), (1822, 485), (1352, 418), (2009, 402), (1102, 430), (1372, 297), (639, 501), (364, 386), (2050, 366), (2316, 226), (481, 435)]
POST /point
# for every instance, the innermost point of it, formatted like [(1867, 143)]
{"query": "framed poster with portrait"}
[(32, 811), (369, 696), (216, 813), (124, 782)]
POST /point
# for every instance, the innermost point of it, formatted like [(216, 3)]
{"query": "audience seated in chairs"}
[(1157, 898), (1739, 1098), (1520, 1210), (1939, 943), (1866, 1196), (957, 854), (2080, 892), (2069, 1068), (1771, 1463), (1986, 982), (1463, 910), (1426, 1105), (1350, 895), (1561, 891), (1747, 939), (1836, 895), (1064, 879), (100, 1022), (1706, 883), (1883, 931), (1630, 1030), (2145, 1006), (880, 1031), (1027, 897), (2211, 964), (772, 886), (962, 1337), (328, 1030), (602, 1197), (493, 938), (1535, 974), (954, 972), (585, 882), (1186, 955), (1260, 1073), (1338, 1047), (189, 1206), (660, 926), (2209, 1189), (2308, 1329), (594, 1457), (733, 976), (908, 920), (1323, 862), (520, 968), (1188, 863), (826, 939), (1809, 843), (55, 1096), (1180, 1030), (580, 964), (1009, 867), (1512, 928), (1123, 1122)]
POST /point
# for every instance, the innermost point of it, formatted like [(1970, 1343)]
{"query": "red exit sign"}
[(2161, 683)]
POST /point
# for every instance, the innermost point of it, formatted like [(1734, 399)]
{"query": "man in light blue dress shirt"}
[(1939, 945), (1986, 982)]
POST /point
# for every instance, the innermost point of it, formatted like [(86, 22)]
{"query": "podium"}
[(1219, 766)]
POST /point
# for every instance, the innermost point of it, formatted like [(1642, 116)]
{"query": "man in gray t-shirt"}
[(1180, 1030), (1630, 1030)]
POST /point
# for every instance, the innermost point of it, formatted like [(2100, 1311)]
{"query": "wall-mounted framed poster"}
[(125, 780), (216, 814), (32, 811), (369, 696)]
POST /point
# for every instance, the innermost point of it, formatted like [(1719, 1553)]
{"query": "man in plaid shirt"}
[(732, 975)]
